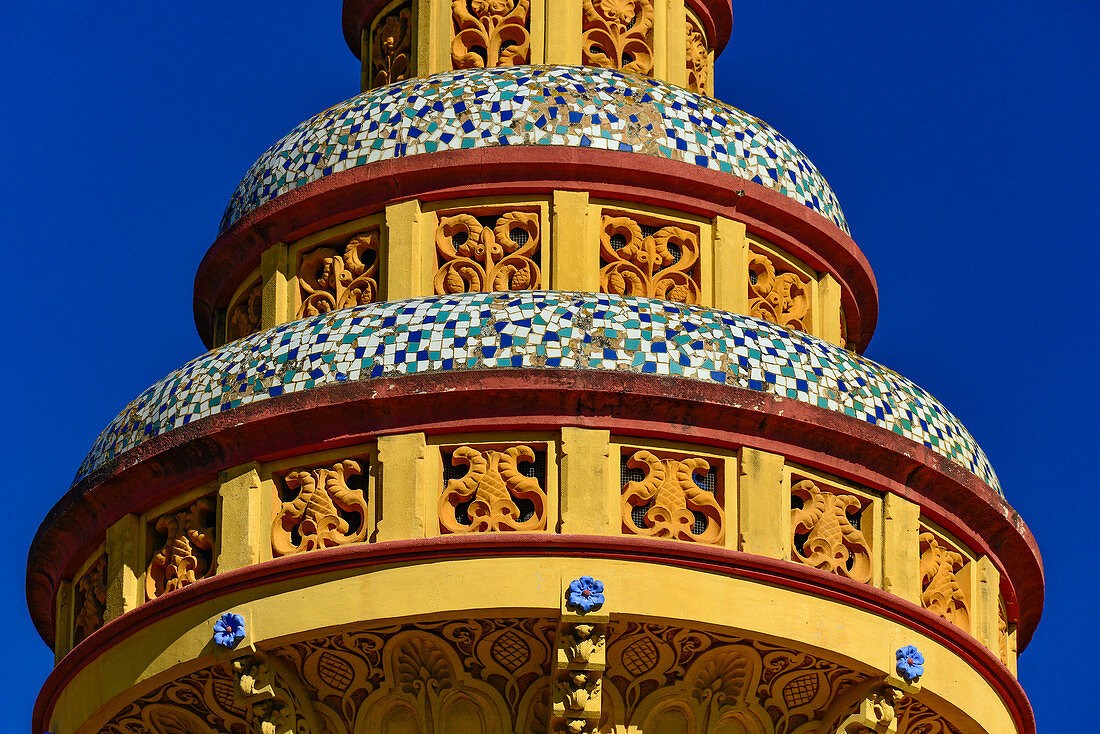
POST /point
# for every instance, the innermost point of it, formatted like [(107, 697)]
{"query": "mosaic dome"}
[(547, 331), (576, 107)]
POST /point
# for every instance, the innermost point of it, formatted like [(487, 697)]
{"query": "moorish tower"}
[(534, 403)]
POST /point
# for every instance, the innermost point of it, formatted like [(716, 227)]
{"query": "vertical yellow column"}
[(244, 528), (900, 551), (63, 621), (763, 505), (404, 265), (563, 31), (432, 36), (124, 566), (731, 266), (586, 482), (537, 27), (405, 495), (827, 318), (660, 38), (364, 56), (575, 246), (276, 300), (676, 52), (985, 607)]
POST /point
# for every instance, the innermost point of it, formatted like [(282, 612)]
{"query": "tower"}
[(491, 336)]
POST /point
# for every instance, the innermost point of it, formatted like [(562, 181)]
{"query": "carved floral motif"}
[(618, 34), (832, 542), (391, 47), (660, 264), (490, 33), (488, 497), (780, 297), (273, 697), (91, 600), (329, 280), (673, 496), (474, 256), (246, 314), (186, 554), (941, 592), (318, 515), (698, 58)]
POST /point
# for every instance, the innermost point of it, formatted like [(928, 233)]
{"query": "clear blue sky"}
[(960, 138)]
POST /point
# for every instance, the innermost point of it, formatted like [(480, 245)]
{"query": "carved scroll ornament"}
[(672, 495), (832, 543), (246, 313), (91, 598), (318, 516), (698, 58), (658, 265), (618, 34), (329, 280), (489, 493), (490, 33), (780, 297), (477, 258), (391, 47), (185, 556), (941, 592)]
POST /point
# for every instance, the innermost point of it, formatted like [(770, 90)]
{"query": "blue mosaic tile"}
[(579, 107), (545, 330)]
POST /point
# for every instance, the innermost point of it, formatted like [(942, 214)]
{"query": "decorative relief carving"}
[(698, 57), (91, 600), (618, 34), (321, 508), (670, 501), (391, 47), (490, 33), (650, 262), (578, 676), (199, 703), (941, 592), (246, 314), (186, 553), (487, 253), (824, 532), (780, 297), (328, 280), (494, 495), (272, 697)]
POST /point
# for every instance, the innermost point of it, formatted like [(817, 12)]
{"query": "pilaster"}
[(827, 325), (124, 566), (984, 615), (586, 483), (764, 505), (901, 547), (405, 494), (731, 266), (575, 248), (276, 299), (676, 53), (243, 530), (63, 621), (404, 266), (563, 31)]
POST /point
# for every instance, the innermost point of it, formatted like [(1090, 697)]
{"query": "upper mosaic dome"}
[(577, 107)]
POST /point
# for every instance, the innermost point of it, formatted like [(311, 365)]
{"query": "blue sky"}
[(959, 137)]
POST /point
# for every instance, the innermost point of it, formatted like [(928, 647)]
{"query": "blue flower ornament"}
[(585, 594), (229, 630), (910, 663)]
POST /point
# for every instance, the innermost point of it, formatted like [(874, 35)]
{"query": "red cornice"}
[(494, 400), (735, 564), (534, 170)]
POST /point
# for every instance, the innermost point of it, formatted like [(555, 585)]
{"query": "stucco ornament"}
[(229, 630), (585, 594), (910, 663)]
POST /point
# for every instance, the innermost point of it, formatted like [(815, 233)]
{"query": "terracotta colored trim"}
[(716, 16), (731, 563), (534, 170), (488, 400)]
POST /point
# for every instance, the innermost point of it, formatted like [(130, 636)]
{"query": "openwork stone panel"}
[(778, 293), (825, 528), (674, 498), (246, 314), (494, 252), (184, 547), (698, 57), (651, 261), (490, 33), (941, 591), (331, 278), (90, 600), (320, 507), (501, 490), (618, 34), (391, 46)]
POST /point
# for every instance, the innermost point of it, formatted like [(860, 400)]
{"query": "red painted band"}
[(493, 400), (735, 564), (537, 170)]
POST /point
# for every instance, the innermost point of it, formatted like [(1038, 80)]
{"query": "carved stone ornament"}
[(876, 713), (698, 58), (391, 47), (91, 600), (329, 280), (246, 314), (672, 495), (832, 543), (941, 592), (780, 297), (618, 34), (318, 515), (490, 33), (489, 492), (186, 554), (475, 257), (657, 265), (273, 698)]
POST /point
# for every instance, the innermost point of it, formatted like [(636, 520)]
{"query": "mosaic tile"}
[(543, 330), (534, 105)]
